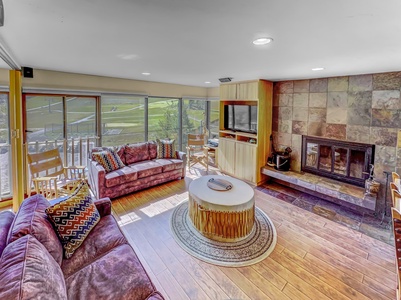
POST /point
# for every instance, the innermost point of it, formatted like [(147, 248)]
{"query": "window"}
[(5, 157), (164, 119), (214, 117), (193, 118), (65, 122), (123, 119)]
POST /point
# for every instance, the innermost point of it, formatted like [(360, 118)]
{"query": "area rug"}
[(254, 248)]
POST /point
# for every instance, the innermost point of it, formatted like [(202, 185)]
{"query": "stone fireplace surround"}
[(361, 108)]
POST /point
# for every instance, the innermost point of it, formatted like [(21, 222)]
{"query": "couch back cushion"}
[(136, 152), (120, 150), (152, 146), (28, 271), (6, 219), (31, 219)]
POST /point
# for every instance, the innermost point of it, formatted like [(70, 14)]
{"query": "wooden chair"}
[(49, 176), (396, 218), (396, 199), (197, 152), (395, 176)]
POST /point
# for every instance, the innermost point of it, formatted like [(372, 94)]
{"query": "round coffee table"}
[(222, 215)]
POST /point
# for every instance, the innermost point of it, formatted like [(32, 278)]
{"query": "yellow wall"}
[(71, 81)]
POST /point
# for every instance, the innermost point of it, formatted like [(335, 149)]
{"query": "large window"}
[(123, 119), (193, 118), (164, 118), (45, 115), (214, 117), (5, 157)]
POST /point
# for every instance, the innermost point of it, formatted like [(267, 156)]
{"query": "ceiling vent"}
[(226, 79)]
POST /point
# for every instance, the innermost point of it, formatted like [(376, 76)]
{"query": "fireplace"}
[(344, 161)]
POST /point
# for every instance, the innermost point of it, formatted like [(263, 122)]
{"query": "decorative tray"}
[(219, 184)]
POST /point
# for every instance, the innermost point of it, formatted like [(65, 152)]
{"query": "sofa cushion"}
[(136, 152), (6, 219), (108, 159), (152, 147), (146, 168), (166, 148), (28, 271), (104, 237), (74, 218), (169, 164), (120, 176), (116, 275), (31, 218), (120, 150)]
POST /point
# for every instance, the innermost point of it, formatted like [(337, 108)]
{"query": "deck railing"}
[(74, 152)]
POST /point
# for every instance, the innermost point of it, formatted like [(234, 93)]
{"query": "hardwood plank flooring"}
[(315, 258)]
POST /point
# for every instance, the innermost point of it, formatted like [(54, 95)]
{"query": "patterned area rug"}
[(256, 247)]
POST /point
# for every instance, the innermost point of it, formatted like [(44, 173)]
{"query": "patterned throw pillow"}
[(74, 218), (166, 148), (109, 160)]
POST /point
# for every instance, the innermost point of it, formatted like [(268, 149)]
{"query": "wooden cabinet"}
[(245, 162), (243, 154), (226, 155), (240, 91)]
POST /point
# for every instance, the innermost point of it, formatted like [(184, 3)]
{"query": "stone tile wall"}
[(362, 108)]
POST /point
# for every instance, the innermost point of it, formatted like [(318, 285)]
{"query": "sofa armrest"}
[(183, 156), (96, 178), (103, 206)]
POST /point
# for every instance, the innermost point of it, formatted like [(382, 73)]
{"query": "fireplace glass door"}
[(344, 161)]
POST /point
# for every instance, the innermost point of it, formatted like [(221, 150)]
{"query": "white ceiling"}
[(192, 41)]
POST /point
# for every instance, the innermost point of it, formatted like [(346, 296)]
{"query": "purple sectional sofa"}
[(142, 170), (32, 265)]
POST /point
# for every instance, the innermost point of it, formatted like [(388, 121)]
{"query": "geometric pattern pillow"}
[(166, 148), (74, 218), (109, 160)]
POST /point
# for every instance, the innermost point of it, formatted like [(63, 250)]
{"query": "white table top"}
[(241, 193)]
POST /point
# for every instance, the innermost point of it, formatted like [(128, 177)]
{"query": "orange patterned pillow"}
[(109, 160), (74, 218), (166, 148)]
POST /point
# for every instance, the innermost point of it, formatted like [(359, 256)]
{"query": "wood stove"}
[(340, 160)]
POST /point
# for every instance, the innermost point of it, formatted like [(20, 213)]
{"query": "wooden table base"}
[(221, 225)]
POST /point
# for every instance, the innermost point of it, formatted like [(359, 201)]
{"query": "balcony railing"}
[(74, 152)]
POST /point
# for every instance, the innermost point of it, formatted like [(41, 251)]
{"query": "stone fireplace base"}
[(329, 189)]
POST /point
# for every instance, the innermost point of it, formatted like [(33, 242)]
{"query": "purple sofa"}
[(32, 265), (142, 170)]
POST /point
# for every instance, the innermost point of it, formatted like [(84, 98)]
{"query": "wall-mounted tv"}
[(241, 117)]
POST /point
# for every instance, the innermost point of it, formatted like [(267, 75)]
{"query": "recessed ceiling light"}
[(317, 69), (146, 73), (207, 82), (262, 41)]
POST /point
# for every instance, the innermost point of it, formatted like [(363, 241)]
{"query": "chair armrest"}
[(103, 206)]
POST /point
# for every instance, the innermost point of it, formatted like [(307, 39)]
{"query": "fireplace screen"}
[(344, 161)]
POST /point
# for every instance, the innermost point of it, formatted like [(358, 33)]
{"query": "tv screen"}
[(241, 118)]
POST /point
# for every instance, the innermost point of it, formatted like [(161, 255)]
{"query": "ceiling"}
[(193, 41)]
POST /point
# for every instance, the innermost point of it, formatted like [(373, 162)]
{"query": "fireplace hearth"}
[(340, 160)]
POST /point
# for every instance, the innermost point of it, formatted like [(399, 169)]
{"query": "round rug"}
[(254, 248)]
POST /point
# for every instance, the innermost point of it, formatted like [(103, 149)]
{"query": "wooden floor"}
[(314, 258)]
